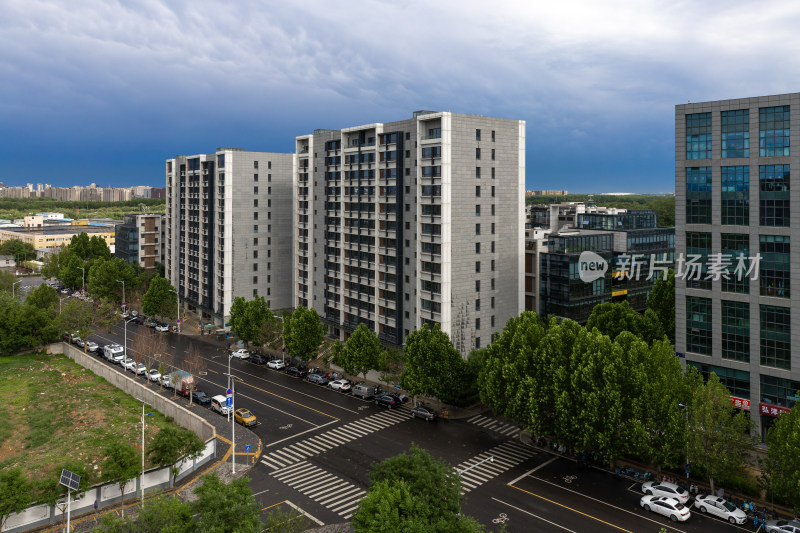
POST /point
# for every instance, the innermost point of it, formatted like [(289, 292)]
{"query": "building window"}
[(477, 210), (478, 191), (774, 195), (735, 195), (773, 131), (492, 189), (255, 228), (492, 265), (269, 164), (736, 381), (255, 279), (255, 215), (477, 229), (477, 323), (492, 304), (776, 338), (492, 284), (698, 195), (698, 325), (255, 202), (736, 247), (255, 165), (736, 331), (492, 154), (779, 391), (255, 190), (255, 254), (255, 267), (492, 135), (698, 248), (220, 161), (477, 285), (477, 135), (478, 266), (477, 153), (773, 275), (492, 324), (255, 241), (255, 177), (478, 304), (735, 133), (698, 136), (492, 172), (492, 228), (477, 247), (477, 342)]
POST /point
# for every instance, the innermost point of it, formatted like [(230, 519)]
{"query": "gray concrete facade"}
[(760, 398), (229, 229), (396, 226)]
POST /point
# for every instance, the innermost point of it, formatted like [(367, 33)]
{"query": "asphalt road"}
[(319, 444)]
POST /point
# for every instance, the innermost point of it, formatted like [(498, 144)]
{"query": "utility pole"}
[(124, 307)]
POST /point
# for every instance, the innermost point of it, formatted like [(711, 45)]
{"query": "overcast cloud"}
[(105, 91)]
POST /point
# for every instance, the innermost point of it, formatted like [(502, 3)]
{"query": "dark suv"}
[(258, 359), (388, 400), (295, 371)]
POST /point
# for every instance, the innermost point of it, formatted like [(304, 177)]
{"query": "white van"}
[(114, 353), (219, 403)]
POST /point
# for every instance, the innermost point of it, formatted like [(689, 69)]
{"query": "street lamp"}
[(141, 483), (686, 411), (123, 294), (178, 300), (83, 279), (12, 287), (126, 336), (283, 340), (232, 380)]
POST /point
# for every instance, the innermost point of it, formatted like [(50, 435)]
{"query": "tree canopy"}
[(105, 275), (431, 360), (361, 353), (160, 300), (612, 318), (247, 318), (170, 444), (121, 465), (21, 251), (303, 333), (227, 508), (781, 469), (662, 302), (15, 493)]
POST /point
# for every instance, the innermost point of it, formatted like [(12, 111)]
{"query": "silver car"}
[(782, 526), (705, 503)]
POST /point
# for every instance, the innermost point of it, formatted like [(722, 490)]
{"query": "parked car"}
[(74, 338), (129, 364), (277, 364), (65, 291), (150, 322), (137, 320), (297, 372), (80, 342), (667, 490), (125, 315), (388, 400), (241, 354), (669, 507), (706, 503), (364, 391), (166, 381), (319, 379), (245, 417), (92, 346), (163, 328), (114, 353), (782, 526), (258, 359), (342, 385), (154, 375), (201, 397), (141, 369), (426, 413), (219, 404)]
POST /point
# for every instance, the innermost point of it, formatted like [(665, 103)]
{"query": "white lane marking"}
[(526, 474), (533, 515), (301, 433), (296, 508)]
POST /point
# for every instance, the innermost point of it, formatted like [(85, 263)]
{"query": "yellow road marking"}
[(273, 505), (291, 401), (570, 509)]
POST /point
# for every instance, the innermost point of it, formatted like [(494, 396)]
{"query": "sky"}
[(105, 91)]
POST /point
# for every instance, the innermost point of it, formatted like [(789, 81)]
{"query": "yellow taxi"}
[(245, 417)]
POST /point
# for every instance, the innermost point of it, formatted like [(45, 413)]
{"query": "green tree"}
[(781, 468), (662, 302), (361, 353), (226, 508), (248, 317), (52, 492), (159, 300), (15, 493), (289, 522), (303, 333), (121, 465), (166, 514), (431, 361), (20, 251), (270, 330), (413, 492), (79, 244), (98, 249), (104, 276), (170, 444), (70, 273), (7, 280), (24, 326), (719, 440), (86, 318), (612, 318), (42, 297)]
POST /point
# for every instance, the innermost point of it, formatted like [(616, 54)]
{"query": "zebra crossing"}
[(299, 451), (328, 490), (504, 456), (494, 425)]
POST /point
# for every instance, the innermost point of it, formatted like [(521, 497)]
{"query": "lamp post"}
[(83, 279), (230, 356), (126, 337), (178, 318), (686, 411), (12, 287), (283, 340), (124, 307), (141, 483), (232, 380)]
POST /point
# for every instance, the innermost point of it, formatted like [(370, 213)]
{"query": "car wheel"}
[(702, 509), (732, 520), (646, 507), (673, 517), (648, 492)]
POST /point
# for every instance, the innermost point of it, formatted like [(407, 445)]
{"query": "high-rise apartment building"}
[(229, 229), (733, 165), (139, 240), (411, 222)]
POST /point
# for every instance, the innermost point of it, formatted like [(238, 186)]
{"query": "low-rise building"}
[(139, 240)]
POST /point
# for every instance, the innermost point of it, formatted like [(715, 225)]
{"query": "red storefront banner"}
[(740, 403), (772, 410)]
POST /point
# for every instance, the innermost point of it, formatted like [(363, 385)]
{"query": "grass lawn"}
[(54, 411)]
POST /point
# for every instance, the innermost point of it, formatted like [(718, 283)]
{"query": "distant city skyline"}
[(106, 92)]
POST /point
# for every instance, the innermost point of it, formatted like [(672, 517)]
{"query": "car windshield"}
[(729, 506), (679, 490), (246, 414), (679, 507)]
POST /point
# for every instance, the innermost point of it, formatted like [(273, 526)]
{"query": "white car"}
[(162, 328), (782, 526), (92, 346), (341, 385), (129, 364), (75, 338), (141, 370), (154, 375), (277, 364), (166, 381), (114, 352), (669, 507), (667, 490), (241, 354), (80, 342), (706, 503)]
